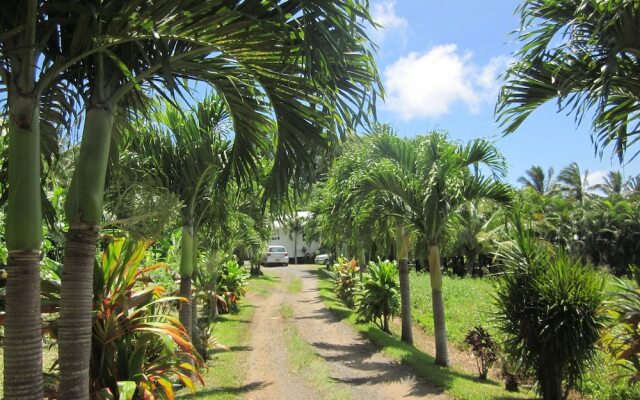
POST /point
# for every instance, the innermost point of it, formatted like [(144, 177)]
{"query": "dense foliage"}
[(345, 280), (378, 295), (136, 338), (548, 306)]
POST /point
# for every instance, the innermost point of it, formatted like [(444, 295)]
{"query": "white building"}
[(282, 235)]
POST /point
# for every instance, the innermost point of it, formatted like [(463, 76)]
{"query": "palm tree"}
[(612, 185), (185, 154), (296, 226), (433, 178), (584, 54), (536, 179), (36, 104), (477, 233), (294, 71), (632, 186), (574, 183)]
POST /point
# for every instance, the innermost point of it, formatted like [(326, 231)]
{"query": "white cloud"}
[(384, 13), (596, 177), (428, 84)]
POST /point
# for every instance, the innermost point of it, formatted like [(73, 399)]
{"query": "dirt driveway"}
[(292, 321)]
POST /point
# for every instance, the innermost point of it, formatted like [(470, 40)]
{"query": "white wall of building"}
[(282, 236)]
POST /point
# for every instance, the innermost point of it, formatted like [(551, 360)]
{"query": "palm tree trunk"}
[(437, 302), (76, 299), (23, 328), (402, 248), (83, 209), (186, 270), (295, 247), (23, 235), (405, 301)]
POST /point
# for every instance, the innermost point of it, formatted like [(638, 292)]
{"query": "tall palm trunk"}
[(186, 270), (23, 328), (440, 328), (23, 229), (83, 208), (402, 248)]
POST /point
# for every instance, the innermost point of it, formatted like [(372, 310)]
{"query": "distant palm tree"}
[(536, 179), (574, 183), (612, 184), (632, 187)]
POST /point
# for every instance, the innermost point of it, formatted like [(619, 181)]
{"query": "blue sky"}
[(440, 63)]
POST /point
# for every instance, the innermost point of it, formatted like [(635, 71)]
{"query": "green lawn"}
[(468, 303)]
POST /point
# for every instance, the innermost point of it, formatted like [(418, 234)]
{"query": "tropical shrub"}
[(345, 279), (378, 296), (233, 281), (548, 306), (623, 338), (484, 349), (139, 348)]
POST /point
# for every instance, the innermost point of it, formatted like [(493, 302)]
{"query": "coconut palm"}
[(584, 54), (574, 183), (432, 178), (536, 179)]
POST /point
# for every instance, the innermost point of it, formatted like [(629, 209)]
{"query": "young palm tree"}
[(536, 179), (185, 154), (432, 178), (584, 54)]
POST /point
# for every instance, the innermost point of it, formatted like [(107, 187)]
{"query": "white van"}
[(276, 255)]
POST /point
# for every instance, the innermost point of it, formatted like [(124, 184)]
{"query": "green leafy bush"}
[(484, 349), (549, 310), (623, 338), (139, 347), (345, 279), (233, 281), (378, 297)]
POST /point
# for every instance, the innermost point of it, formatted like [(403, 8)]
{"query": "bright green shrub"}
[(623, 338), (345, 279), (548, 308), (378, 297), (233, 281)]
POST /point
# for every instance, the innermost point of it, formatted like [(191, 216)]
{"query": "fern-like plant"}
[(378, 297)]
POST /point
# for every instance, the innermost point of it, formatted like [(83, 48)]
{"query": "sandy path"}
[(354, 362)]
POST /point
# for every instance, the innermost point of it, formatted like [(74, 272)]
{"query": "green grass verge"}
[(304, 362), (456, 383), (295, 286), (226, 376), (224, 380), (263, 285)]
